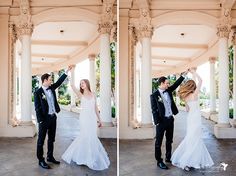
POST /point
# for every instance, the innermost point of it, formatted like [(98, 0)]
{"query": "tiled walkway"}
[(137, 156), (17, 155)]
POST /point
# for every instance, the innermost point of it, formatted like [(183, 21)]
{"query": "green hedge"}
[(63, 101), (231, 113), (113, 111)]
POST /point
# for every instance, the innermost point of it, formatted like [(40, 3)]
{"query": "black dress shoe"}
[(162, 165), (52, 160), (168, 161), (44, 165)]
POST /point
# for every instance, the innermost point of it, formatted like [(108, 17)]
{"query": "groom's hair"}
[(45, 76), (162, 80)]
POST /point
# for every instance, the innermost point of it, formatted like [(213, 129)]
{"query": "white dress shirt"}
[(167, 102), (50, 100)]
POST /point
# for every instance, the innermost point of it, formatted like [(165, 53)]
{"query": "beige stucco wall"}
[(4, 70)]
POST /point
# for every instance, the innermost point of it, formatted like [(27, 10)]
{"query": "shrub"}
[(63, 101), (113, 111), (231, 113)]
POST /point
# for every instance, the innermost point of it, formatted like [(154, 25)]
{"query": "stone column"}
[(212, 85), (72, 94), (105, 26), (26, 75), (92, 72), (145, 31), (223, 31), (24, 31), (234, 74)]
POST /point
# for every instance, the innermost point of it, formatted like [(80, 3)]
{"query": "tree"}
[(62, 90), (35, 83)]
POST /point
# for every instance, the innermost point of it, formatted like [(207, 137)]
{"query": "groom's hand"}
[(184, 73), (69, 68)]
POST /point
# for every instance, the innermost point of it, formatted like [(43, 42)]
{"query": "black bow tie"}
[(48, 88), (164, 91)]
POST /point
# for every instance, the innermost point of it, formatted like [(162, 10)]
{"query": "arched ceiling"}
[(56, 42), (177, 45)]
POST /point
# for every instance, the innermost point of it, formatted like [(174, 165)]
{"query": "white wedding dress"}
[(87, 149), (192, 151)]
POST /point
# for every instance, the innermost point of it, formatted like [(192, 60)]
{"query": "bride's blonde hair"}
[(186, 89)]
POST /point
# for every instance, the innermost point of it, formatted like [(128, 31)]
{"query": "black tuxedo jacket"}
[(158, 108), (40, 102)]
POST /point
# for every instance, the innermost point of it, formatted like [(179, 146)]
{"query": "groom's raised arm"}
[(59, 81), (176, 84)]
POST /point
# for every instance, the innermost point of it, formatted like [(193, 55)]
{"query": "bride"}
[(87, 149), (192, 152)]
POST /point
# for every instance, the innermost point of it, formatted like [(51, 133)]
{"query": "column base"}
[(19, 131), (208, 114), (139, 133), (107, 124), (146, 125), (135, 124), (233, 122), (107, 132), (224, 131), (26, 123)]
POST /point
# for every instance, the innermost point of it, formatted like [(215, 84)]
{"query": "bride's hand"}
[(192, 70)]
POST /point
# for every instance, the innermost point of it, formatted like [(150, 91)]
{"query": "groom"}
[(163, 109), (46, 107)]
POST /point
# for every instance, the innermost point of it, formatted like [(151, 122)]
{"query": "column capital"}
[(224, 26), (92, 57), (233, 39), (24, 26), (133, 34), (144, 27), (212, 59), (114, 32), (105, 24), (12, 31)]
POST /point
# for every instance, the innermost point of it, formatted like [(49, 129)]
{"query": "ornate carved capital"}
[(106, 22), (114, 31), (25, 26), (24, 29), (144, 27), (12, 32), (133, 35), (233, 39), (224, 26)]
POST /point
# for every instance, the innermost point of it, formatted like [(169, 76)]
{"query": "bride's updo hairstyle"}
[(187, 88), (86, 81)]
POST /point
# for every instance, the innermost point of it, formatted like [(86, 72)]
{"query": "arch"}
[(184, 18), (65, 14)]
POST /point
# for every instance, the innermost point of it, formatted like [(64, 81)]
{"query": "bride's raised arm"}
[(199, 80), (76, 91)]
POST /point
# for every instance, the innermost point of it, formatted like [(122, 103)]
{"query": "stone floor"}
[(17, 155), (137, 156)]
